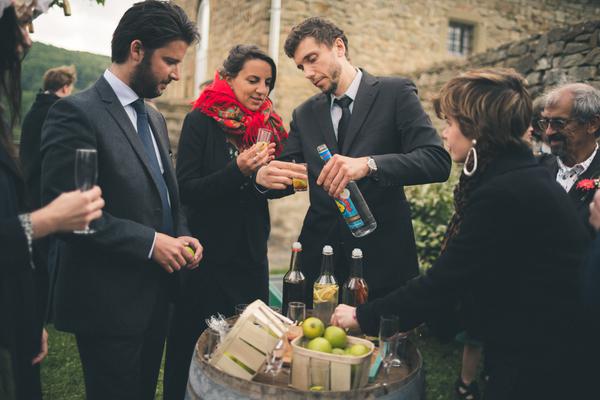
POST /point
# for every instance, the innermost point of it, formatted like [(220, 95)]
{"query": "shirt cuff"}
[(152, 248)]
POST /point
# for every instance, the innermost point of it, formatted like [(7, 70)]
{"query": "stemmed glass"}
[(388, 342), (274, 361), (86, 174)]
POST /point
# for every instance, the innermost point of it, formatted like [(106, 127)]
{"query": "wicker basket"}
[(255, 334), (345, 372)]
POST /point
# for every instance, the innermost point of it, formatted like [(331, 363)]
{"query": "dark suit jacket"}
[(106, 283), (517, 257), (580, 198), (389, 124)]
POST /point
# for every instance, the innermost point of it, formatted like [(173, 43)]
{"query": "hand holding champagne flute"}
[(86, 174)]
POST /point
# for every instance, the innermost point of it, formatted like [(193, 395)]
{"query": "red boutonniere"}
[(588, 184)]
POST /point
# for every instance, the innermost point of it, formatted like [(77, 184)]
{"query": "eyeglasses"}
[(556, 123)]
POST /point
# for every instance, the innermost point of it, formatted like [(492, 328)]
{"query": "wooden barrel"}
[(208, 383)]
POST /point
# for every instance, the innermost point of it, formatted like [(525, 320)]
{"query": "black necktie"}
[(143, 128), (344, 103)]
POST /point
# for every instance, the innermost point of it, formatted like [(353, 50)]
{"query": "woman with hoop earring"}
[(511, 257)]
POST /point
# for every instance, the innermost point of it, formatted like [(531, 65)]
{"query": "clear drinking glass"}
[(212, 341), (86, 174), (263, 138), (318, 375), (296, 311), (388, 341), (274, 361), (300, 185)]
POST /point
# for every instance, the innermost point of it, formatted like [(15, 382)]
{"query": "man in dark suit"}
[(571, 124), (113, 286), (381, 138)]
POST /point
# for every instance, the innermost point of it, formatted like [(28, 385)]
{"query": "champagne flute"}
[(275, 361), (86, 174), (388, 342)]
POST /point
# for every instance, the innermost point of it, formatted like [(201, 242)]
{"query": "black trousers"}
[(124, 367)]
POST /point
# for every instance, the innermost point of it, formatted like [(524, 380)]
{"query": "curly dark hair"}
[(491, 106), (239, 54), (321, 29)]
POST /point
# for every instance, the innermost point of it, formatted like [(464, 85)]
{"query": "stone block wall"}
[(569, 54)]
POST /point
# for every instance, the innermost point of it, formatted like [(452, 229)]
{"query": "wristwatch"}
[(372, 166)]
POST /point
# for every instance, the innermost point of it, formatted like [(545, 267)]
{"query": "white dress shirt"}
[(336, 110), (567, 176)]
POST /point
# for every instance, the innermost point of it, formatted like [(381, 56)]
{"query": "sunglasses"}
[(556, 123)]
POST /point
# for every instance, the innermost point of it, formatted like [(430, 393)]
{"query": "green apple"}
[(312, 328), (319, 344), (358, 349), (339, 352), (336, 336)]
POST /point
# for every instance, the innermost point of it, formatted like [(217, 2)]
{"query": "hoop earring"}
[(472, 153)]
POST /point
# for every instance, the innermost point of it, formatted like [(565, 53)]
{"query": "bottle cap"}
[(357, 253), (296, 246), (327, 250)]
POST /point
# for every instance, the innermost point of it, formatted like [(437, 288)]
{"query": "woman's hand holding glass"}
[(251, 159), (68, 212)]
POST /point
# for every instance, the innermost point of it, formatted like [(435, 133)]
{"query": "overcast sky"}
[(89, 28)]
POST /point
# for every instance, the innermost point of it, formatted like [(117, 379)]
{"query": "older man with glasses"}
[(571, 125)]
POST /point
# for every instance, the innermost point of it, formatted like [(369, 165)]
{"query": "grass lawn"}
[(62, 378)]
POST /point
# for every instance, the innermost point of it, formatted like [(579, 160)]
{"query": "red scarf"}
[(218, 101)]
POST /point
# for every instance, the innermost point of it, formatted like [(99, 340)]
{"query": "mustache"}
[(557, 137)]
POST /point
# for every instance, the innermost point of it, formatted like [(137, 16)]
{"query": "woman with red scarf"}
[(217, 160)]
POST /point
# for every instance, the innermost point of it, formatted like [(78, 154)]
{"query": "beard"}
[(143, 81), (334, 74), (558, 145)]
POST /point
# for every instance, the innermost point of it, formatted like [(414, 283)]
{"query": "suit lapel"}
[(116, 110), (322, 109), (367, 92)]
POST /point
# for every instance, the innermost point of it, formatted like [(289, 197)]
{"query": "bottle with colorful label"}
[(352, 204)]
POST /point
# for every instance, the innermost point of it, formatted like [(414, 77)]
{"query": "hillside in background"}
[(41, 57)]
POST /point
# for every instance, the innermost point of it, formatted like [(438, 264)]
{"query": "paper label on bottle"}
[(348, 210)]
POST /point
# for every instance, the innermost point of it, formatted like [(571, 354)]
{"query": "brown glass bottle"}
[(355, 290), (294, 283)]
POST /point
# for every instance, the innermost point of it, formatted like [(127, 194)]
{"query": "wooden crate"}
[(254, 335), (345, 372)]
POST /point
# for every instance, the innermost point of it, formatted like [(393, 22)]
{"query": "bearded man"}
[(113, 286)]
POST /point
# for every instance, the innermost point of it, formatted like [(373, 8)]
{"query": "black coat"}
[(20, 322), (389, 124), (516, 257), (29, 149), (225, 212)]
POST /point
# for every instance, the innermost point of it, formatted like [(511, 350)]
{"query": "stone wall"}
[(569, 54)]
